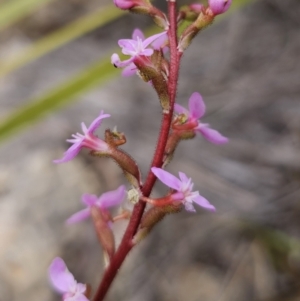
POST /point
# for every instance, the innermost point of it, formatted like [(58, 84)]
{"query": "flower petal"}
[(160, 42), (196, 105), (211, 135), (203, 202), (189, 207), (70, 153), (77, 297), (97, 122), (79, 216), (61, 279), (167, 178), (151, 39), (130, 70), (127, 45), (115, 60), (89, 199), (181, 110), (137, 33), (183, 177), (112, 198)]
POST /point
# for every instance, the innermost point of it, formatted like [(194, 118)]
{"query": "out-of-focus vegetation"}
[(12, 12)]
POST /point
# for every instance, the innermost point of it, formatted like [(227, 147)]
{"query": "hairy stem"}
[(126, 243)]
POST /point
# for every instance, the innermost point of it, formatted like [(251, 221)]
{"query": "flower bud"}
[(105, 235), (219, 6)]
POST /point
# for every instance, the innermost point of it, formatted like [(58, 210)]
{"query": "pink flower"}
[(87, 139), (196, 111), (105, 201), (184, 187), (131, 69), (219, 6), (134, 47), (64, 283)]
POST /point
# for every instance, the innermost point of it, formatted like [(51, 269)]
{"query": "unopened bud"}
[(105, 235), (219, 6)]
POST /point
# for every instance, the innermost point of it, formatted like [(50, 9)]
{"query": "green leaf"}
[(62, 36), (94, 75), (14, 10)]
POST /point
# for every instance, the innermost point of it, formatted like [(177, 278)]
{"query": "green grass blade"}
[(94, 75), (14, 10), (62, 36)]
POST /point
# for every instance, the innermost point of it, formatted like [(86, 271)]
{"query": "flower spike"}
[(87, 139), (184, 187), (64, 283)]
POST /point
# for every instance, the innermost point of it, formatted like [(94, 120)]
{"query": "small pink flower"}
[(219, 6), (105, 201), (196, 111), (131, 69), (184, 187), (64, 283), (134, 47), (87, 139)]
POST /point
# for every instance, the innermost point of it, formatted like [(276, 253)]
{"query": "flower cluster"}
[(149, 59)]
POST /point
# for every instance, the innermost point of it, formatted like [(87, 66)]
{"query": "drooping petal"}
[(211, 135), (181, 110), (203, 202), (137, 33), (196, 105), (62, 280), (189, 207), (123, 4), (71, 153), (151, 39), (160, 42), (79, 216), (97, 122), (112, 198), (89, 199), (167, 178), (130, 70), (115, 60)]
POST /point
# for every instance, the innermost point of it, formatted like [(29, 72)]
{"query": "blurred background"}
[(55, 72)]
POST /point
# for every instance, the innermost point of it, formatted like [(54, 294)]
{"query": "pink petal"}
[(129, 70), (127, 45), (79, 216), (115, 60), (183, 177), (89, 199), (151, 39), (62, 280), (147, 52), (137, 33), (196, 105), (78, 297), (189, 207), (181, 110), (70, 153), (219, 6), (203, 202), (167, 178), (160, 42), (211, 135), (112, 198), (97, 122)]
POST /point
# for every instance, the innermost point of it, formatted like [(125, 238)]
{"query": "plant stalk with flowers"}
[(148, 58)]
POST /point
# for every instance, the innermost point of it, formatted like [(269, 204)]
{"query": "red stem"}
[(126, 243)]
